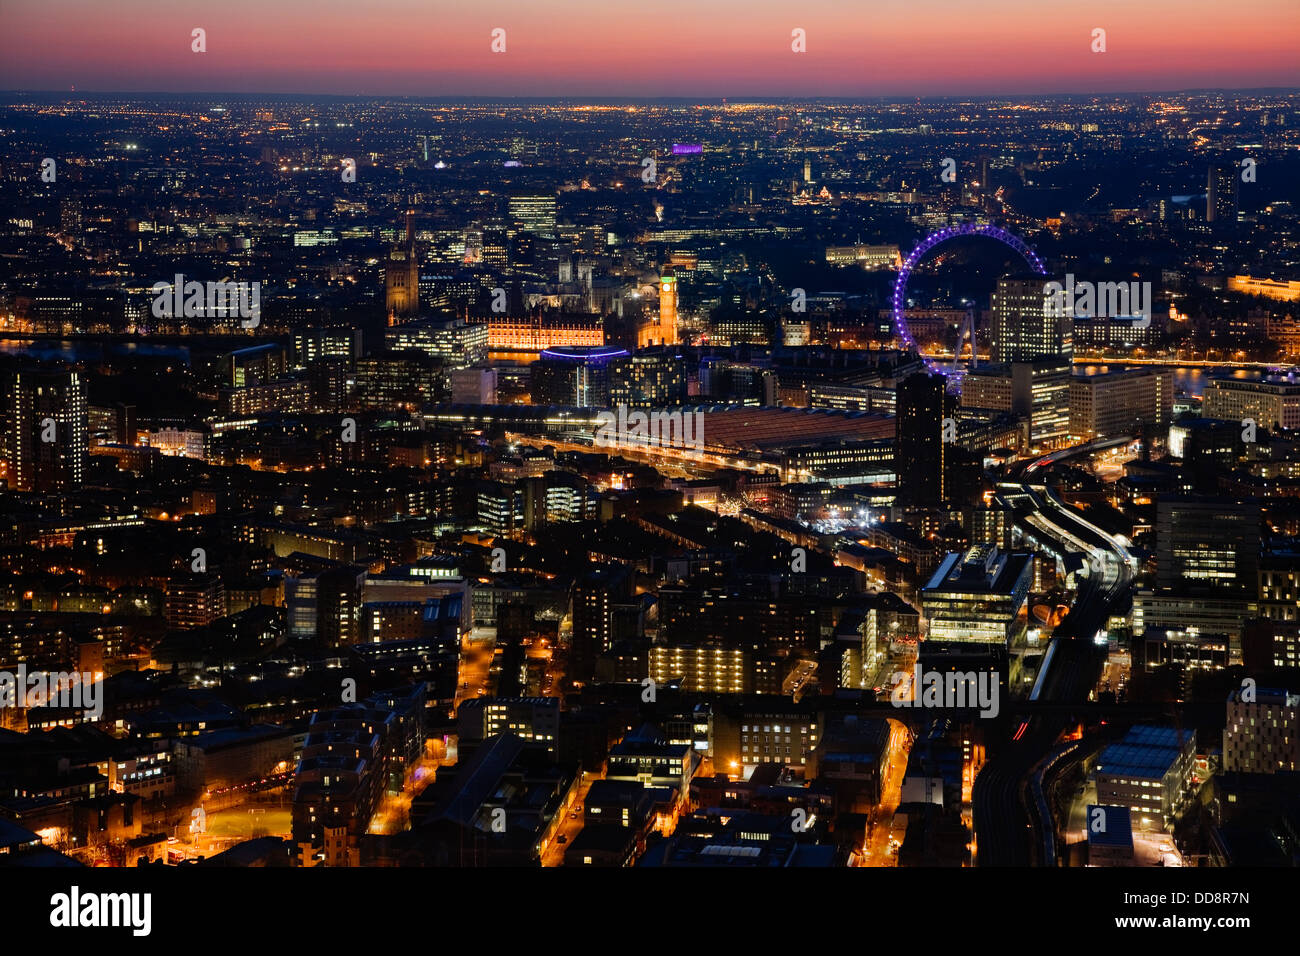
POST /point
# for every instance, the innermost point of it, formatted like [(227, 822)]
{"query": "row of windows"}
[(1135, 783), (1114, 795)]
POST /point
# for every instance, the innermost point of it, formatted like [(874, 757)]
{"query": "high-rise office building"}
[(656, 377), (495, 247), (310, 344), (1262, 734), (1210, 448), (1035, 339), (977, 596), (500, 506), (392, 379), (1271, 403), (595, 596), (535, 214), (920, 452), (50, 430), (1040, 391), (1208, 543), (1027, 326), (326, 605), (1121, 402), (1221, 195), (70, 216), (254, 365), (457, 342), (474, 386), (574, 376), (126, 429)]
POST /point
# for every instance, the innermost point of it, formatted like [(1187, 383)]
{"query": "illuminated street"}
[(475, 666), (878, 850)]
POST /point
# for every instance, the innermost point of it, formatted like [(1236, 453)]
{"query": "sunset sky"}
[(704, 48)]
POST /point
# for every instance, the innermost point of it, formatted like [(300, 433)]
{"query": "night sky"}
[(662, 48)]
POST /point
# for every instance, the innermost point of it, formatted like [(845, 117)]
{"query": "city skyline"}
[(649, 446)]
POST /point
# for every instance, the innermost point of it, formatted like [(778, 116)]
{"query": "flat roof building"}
[(977, 596), (1149, 771), (1110, 404), (1270, 403)]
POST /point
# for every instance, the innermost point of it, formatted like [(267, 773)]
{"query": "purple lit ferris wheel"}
[(954, 373)]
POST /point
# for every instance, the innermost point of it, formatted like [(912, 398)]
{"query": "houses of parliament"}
[(526, 333)]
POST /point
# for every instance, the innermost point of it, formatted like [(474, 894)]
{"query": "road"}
[(475, 666), (553, 853), (799, 679), (393, 815), (877, 851)]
